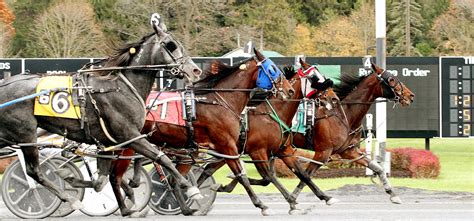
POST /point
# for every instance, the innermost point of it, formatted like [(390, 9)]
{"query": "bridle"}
[(179, 70), (277, 84), (385, 78)]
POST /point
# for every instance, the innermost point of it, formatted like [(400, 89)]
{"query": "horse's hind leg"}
[(135, 181), (321, 156), (31, 155), (305, 177), (236, 168), (378, 170), (144, 148)]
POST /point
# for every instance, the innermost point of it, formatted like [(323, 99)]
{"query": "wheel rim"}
[(26, 202)]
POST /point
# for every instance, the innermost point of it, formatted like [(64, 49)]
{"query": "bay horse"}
[(269, 137), (357, 95), (226, 92), (113, 110)]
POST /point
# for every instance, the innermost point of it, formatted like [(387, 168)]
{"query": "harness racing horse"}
[(269, 137), (216, 129), (112, 110), (331, 137)]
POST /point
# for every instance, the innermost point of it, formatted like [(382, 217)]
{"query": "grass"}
[(457, 169)]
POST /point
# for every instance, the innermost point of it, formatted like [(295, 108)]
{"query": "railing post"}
[(368, 142)]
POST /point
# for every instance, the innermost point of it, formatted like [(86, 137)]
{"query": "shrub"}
[(420, 163)]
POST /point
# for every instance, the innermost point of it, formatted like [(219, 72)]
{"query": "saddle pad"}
[(298, 124), (58, 103), (168, 108)]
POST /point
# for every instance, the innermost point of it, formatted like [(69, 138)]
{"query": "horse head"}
[(392, 87), (271, 78), (167, 50)]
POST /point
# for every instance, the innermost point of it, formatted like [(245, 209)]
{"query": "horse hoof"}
[(194, 193), (215, 187), (100, 183), (332, 201), (76, 205), (297, 212), (396, 200), (267, 212)]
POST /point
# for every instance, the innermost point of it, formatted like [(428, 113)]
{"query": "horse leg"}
[(234, 165), (305, 177), (322, 156), (31, 155), (144, 148), (269, 176), (378, 170), (210, 169), (103, 169), (135, 181)]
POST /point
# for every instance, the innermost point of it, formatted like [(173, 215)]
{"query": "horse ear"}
[(157, 24), (304, 64), (376, 68), (259, 55)]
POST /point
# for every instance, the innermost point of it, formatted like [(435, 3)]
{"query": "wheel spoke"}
[(21, 197), (40, 201), (162, 196), (21, 180)]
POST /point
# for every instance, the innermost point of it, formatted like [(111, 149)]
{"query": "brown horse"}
[(270, 137), (216, 126), (331, 137)]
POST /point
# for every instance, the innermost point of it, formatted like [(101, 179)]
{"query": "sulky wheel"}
[(163, 201), (27, 202), (101, 203), (143, 191), (78, 193)]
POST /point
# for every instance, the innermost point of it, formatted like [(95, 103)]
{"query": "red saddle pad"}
[(168, 108)]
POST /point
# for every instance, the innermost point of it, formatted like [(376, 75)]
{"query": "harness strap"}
[(133, 89)]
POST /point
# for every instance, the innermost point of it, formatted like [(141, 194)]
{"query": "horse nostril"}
[(197, 71), (412, 97), (291, 92)]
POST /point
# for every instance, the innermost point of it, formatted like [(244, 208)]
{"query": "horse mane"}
[(223, 70), (348, 82), (289, 71), (121, 55)]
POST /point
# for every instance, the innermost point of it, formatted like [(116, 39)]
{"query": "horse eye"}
[(171, 46)]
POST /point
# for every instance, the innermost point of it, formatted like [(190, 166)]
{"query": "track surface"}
[(358, 202)]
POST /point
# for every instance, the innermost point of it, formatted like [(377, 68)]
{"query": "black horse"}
[(112, 109)]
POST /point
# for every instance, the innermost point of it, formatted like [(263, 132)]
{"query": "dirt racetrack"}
[(358, 202)]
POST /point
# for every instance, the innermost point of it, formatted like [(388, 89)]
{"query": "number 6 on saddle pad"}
[(56, 103)]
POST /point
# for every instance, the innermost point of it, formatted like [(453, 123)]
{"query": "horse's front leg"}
[(378, 170), (31, 156), (269, 176), (234, 165), (144, 148), (321, 156)]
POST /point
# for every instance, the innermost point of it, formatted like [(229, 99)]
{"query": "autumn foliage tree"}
[(67, 29), (453, 31), (7, 31)]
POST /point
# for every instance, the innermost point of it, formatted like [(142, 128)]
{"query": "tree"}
[(303, 41), (339, 37), (197, 24), (67, 29), (27, 10), (405, 26), (272, 21), (6, 27), (455, 39)]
